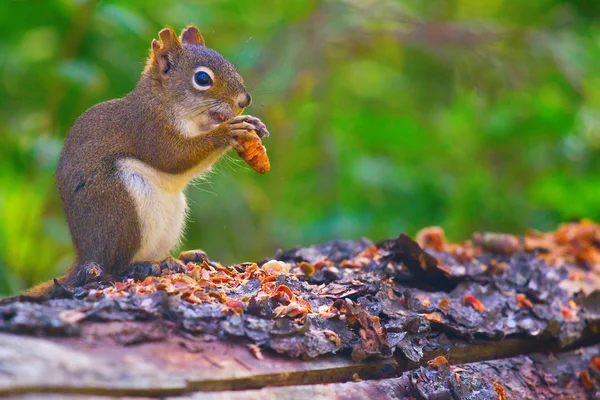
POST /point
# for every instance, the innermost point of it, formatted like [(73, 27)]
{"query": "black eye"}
[(203, 79)]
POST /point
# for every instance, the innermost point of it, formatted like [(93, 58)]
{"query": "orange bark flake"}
[(333, 337), (307, 268), (500, 391), (291, 310), (444, 304), (437, 362), (433, 317), (256, 352), (371, 252), (572, 304), (283, 294), (425, 302), (523, 301), (586, 380), (432, 238), (473, 302), (324, 262)]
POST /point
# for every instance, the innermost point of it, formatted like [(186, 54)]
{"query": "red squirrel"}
[(126, 162)]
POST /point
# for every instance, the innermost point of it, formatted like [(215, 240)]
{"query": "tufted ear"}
[(163, 52), (191, 35)]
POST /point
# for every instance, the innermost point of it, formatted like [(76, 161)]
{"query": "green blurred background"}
[(386, 116)]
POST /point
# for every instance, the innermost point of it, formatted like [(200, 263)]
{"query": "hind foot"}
[(195, 256)]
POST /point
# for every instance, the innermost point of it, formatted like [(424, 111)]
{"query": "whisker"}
[(205, 107), (241, 52)]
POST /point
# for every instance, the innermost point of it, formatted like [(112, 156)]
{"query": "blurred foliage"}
[(386, 116)]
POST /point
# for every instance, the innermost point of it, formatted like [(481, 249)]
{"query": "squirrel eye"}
[(203, 80)]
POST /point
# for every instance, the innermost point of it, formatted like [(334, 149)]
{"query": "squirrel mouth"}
[(212, 119), (219, 117)]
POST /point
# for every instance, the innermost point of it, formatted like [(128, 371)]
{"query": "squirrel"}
[(125, 163)]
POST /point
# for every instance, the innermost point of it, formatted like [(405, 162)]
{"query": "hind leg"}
[(82, 274), (104, 225)]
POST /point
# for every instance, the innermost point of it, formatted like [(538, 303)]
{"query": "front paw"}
[(193, 256), (244, 133), (243, 129), (260, 128)]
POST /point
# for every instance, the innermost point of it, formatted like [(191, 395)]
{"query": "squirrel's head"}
[(202, 87)]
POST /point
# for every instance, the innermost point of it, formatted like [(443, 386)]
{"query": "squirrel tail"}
[(44, 289), (77, 275), (57, 287)]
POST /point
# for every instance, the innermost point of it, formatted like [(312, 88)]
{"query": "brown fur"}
[(100, 213)]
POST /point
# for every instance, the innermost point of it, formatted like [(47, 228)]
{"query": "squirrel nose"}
[(244, 100)]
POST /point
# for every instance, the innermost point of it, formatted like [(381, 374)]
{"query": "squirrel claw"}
[(195, 256), (261, 129), (61, 291), (172, 264)]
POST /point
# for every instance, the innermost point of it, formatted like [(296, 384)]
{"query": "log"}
[(324, 315)]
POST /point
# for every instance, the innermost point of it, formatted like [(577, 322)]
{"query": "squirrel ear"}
[(163, 51), (170, 40), (191, 35)]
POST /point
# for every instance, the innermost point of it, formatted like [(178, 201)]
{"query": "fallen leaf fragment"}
[(433, 317), (235, 307), (432, 237), (586, 380), (444, 304), (572, 304), (256, 352), (437, 362), (307, 268), (425, 302), (332, 336), (353, 263), (474, 302), (327, 312), (523, 301), (274, 267), (371, 252), (283, 294), (324, 262), (292, 310), (500, 391), (595, 363)]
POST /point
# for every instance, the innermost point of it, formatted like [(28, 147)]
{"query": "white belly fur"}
[(160, 203)]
